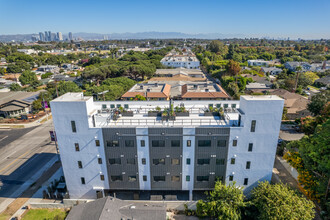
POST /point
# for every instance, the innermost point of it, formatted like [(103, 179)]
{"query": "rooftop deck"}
[(139, 117)]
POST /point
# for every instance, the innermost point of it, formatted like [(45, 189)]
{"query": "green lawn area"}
[(45, 214), (4, 217)]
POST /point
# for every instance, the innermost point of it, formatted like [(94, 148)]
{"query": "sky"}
[(308, 19)]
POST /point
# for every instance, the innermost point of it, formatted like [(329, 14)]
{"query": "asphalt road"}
[(23, 152), (9, 135)]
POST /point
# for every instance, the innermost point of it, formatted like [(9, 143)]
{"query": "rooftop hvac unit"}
[(141, 86), (206, 90), (148, 90)]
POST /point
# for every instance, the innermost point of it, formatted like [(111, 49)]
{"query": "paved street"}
[(23, 152)]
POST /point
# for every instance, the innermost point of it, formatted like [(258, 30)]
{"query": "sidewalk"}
[(22, 199)]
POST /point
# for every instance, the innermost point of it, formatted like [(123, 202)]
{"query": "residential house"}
[(13, 104), (323, 82), (259, 62), (271, 70)]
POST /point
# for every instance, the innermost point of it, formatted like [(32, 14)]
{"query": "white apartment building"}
[(183, 61), (127, 147)]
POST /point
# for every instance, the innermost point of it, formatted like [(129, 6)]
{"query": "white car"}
[(307, 93)]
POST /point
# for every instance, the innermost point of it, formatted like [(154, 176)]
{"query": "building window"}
[(116, 178), (188, 161), (143, 143), (202, 178), (97, 143), (188, 143), (145, 178), (246, 181), (220, 161), (115, 161), (131, 161), (232, 161), (144, 161), (126, 106), (104, 106), (118, 105), (82, 180), (253, 125), (158, 161), (234, 143), (73, 126), (76, 145), (175, 178), (175, 161), (204, 143), (188, 178), (158, 143), (99, 160), (175, 143), (218, 105), (231, 178), (250, 147), (112, 106), (102, 177), (203, 161), (248, 165), (222, 143), (112, 143), (131, 178), (233, 105), (80, 164), (225, 106), (159, 178), (129, 143)]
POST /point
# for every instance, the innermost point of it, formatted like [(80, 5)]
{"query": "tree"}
[(280, 202), (217, 46), (318, 101), (37, 105), (224, 202), (233, 68), (307, 78), (15, 87), (28, 78)]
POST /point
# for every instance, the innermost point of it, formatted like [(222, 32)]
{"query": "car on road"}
[(307, 93)]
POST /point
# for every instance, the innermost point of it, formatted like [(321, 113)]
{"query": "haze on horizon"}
[(254, 18)]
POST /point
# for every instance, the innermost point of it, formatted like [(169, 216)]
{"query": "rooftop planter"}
[(181, 111), (125, 113), (155, 113), (168, 114), (211, 111)]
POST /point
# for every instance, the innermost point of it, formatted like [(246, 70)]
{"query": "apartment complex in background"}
[(186, 60), (126, 148)]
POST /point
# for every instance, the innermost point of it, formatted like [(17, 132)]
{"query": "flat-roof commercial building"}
[(136, 151), (180, 72), (203, 91)]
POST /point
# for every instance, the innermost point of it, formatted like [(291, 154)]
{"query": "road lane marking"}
[(3, 138), (20, 157)]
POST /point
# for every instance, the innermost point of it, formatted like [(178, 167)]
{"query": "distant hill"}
[(139, 35), (156, 35)]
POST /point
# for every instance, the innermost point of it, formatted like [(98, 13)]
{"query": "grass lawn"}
[(44, 214), (4, 217)]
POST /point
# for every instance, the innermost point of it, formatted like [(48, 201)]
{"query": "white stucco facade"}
[(266, 111)]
